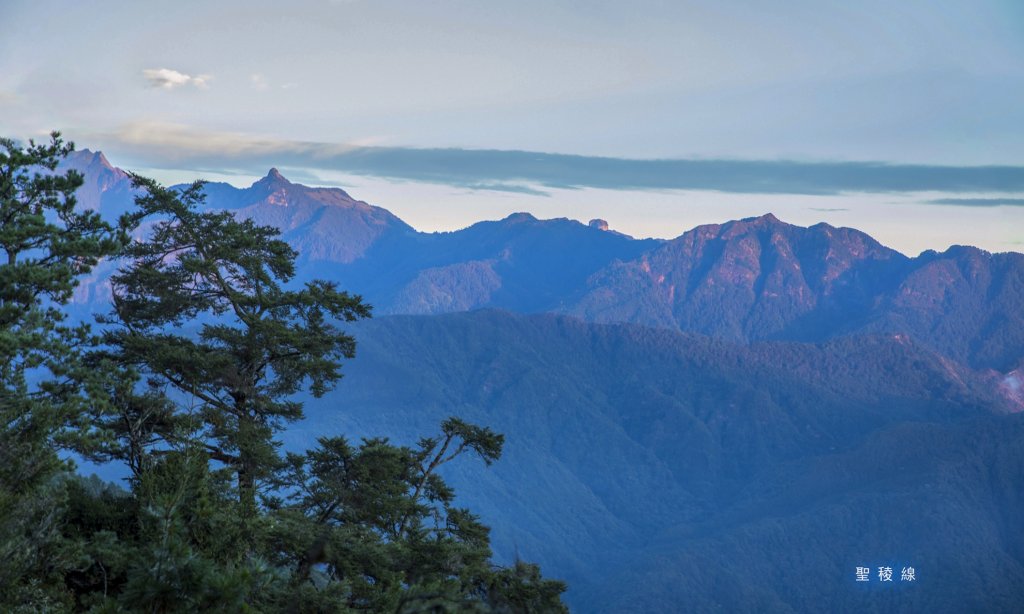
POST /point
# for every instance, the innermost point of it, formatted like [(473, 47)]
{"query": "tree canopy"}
[(47, 243), (194, 374)]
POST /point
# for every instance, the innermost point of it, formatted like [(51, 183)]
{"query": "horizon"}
[(410, 214), (900, 121)]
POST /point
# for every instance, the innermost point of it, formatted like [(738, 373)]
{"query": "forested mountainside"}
[(655, 468), (733, 419)]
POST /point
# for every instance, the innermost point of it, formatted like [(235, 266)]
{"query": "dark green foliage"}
[(45, 245), (201, 360), (378, 526), (257, 343), (368, 529)]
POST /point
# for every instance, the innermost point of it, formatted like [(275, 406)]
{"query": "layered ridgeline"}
[(746, 280), (739, 418)]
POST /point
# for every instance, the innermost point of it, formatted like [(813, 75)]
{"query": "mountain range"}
[(733, 419), (745, 280)]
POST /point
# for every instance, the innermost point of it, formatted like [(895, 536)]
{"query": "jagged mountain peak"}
[(275, 177), (768, 231), (767, 219), (324, 224), (86, 157), (518, 217), (739, 227), (93, 164), (273, 181), (99, 158), (106, 188), (767, 222)]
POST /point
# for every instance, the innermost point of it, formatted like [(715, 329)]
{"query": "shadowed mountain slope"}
[(659, 471)]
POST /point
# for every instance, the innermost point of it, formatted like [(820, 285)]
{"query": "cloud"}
[(977, 202), (165, 78), (158, 144), (169, 142), (828, 209), (258, 81), (507, 187)]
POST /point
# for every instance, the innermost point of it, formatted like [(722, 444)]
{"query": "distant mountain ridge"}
[(760, 278), (730, 420), (106, 188), (322, 224), (745, 280)]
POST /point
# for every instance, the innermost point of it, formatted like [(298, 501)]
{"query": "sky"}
[(903, 119)]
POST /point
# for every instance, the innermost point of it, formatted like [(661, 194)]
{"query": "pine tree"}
[(46, 246), (209, 341), (207, 305), (203, 305)]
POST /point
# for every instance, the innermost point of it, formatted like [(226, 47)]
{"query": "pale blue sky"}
[(225, 89)]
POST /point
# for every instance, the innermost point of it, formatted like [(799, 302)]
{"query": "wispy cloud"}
[(978, 202), (828, 209), (168, 79), (161, 144), (507, 187), (173, 143), (258, 81)]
